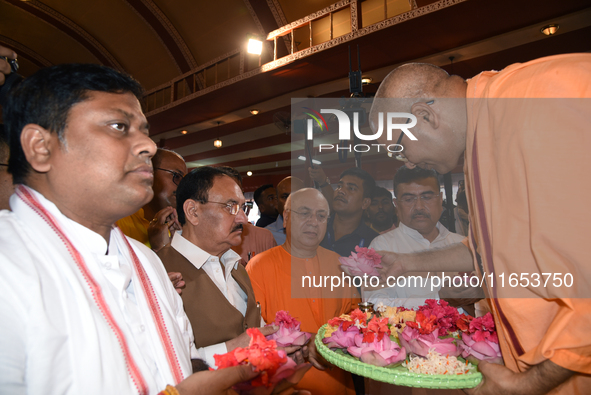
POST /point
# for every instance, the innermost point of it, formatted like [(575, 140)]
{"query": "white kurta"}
[(407, 240), (80, 317)]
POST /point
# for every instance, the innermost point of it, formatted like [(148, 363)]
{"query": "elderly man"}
[(218, 295), (505, 123), (346, 228), (380, 212), (254, 239), (99, 314), (266, 199), (277, 277), (155, 223), (419, 207), (284, 189)]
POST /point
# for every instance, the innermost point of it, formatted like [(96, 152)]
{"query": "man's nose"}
[(241, 217)]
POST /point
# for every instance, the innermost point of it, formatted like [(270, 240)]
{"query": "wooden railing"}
[(339, 19)]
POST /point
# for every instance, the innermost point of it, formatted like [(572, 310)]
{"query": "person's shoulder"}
[(455, 237), (385, 239), (324, 253), (264, 260)]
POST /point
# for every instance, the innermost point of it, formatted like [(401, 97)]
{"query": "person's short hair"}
[(196, 186), (232, 172), (159, 155), (3, 145), (368, 182), (46, 97), (379, 192), (259, 192), (404, 175)]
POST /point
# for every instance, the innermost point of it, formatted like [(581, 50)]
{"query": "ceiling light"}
[(249, 173), (390, 154), (218, 143), (301, 157), (254, 46), (254, 111), (549, 30), (184, 132), (366, 80)]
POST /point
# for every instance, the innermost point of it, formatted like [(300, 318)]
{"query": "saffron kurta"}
[(276, 279), (527, 178)]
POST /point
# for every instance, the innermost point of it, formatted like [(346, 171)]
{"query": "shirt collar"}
[(199, 257), (443, 232), (88, 239)]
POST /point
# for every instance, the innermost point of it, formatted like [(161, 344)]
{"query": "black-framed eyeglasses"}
[(412, 200), (176, 176), (321, 216), (233, 208)]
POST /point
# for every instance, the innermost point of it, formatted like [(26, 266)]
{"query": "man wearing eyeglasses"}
[(155, 223), (277, 276), (419, 207), (218, 296), (520, 131)]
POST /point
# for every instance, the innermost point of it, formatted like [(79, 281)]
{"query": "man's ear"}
[(190, 207), (366, 203), (425, 113), (38, 143)]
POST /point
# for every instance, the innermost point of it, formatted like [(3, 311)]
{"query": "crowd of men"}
[(104, 231)]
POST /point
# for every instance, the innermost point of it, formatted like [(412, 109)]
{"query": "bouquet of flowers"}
[(289, 333), (430, 339), (263, 355), (362, 261)]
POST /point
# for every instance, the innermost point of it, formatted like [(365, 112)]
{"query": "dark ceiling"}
[(190, 56)]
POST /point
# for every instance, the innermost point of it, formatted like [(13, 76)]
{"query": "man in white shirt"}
[(83, 309), (218, 295), (419, 207)]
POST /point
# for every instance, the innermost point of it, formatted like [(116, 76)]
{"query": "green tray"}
[(397, 375)]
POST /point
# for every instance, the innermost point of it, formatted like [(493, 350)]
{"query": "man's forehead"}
[(310, 200), (419, 186), (226, 189), (122, 104)]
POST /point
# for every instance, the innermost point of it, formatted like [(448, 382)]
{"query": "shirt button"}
[(142, 328), (107, 265), (124, 294)]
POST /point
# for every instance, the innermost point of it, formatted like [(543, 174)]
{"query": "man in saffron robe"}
[(276, 276), (515, 129)]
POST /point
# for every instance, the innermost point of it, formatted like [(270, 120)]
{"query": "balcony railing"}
[(337, 20)]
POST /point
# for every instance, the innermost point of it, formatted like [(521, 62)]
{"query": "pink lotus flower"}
[(364, 260), (342, 338), (379, 352), (289, 333), (476, 351), (420, 345)]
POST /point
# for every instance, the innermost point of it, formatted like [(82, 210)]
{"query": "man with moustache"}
[(380, 212), (218, 296), (419, 207)]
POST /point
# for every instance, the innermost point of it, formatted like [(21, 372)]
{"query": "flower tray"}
[(397, 375)]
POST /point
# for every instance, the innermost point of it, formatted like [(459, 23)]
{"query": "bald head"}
[(285, 187), (414, 80), (438, 101), (305, 217)]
